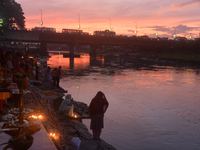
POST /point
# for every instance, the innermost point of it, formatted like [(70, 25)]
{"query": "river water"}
[(151, 107)]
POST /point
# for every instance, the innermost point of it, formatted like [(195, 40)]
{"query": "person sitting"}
[(67, 106)]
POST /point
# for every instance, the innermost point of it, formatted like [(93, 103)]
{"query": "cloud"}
[(188, 3), (94, 14), (180, 30)]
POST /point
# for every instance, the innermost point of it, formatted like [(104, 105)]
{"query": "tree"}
[(11, 14)]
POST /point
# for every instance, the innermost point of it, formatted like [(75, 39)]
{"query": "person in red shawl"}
[(97, 108)]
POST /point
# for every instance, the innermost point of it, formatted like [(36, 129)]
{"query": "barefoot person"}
[(97, 108)]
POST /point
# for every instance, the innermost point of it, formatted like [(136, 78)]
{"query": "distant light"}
[(110, 29), (1, 22), (174, 35), (190, 36), (41, 22), (79, 26), (135, 31), (156, 34)]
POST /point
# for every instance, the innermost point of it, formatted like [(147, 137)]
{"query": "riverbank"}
[(46, 98), (185, 58)]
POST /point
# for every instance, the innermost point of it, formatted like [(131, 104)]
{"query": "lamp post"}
[(110, 25), (157, 32), (79, 26), (135, 28), (41, 22), (174, 32)]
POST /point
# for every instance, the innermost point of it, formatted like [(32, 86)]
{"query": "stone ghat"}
[(46, 99)]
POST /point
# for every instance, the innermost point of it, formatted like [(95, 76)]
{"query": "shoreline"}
[(65, 127)]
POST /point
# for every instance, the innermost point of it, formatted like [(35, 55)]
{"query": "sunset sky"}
[(166, 17)]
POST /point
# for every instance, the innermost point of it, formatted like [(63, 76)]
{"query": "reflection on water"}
[(152, 106)]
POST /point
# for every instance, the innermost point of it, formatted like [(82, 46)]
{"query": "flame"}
[(75, 116), (52, 134), (40, 116), (36, 117)]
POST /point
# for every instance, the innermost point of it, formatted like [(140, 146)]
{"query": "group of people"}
[(12, 63), (97, 109), (54, 75)]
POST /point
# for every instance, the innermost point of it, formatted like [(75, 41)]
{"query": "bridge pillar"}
[(71, 49), (71, 56), (43, 47), (93, 52)]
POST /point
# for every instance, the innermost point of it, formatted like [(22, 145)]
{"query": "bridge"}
[(93, 40)]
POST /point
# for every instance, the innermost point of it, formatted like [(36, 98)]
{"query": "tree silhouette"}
[(11, 14)]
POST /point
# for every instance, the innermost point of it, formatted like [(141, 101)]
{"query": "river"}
[(151, 107)]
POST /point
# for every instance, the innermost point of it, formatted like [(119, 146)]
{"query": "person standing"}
[(97, 108), (53, 73), (57, 76), (3, 95), (48, 74)]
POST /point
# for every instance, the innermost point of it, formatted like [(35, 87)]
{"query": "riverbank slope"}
[(46, 99)]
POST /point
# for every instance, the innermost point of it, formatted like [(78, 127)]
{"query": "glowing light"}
[(54, 135), (1, 22), (40, 116), (36, 117), (75, 116)]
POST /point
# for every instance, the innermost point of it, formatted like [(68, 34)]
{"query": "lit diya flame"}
[(40, 116), (75, 116), (52, 134), (37, 117)]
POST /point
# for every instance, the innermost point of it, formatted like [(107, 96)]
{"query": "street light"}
[(41, 22), (110, 25), (135, 28), (174, 32), (79, 26), (157, 32)]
